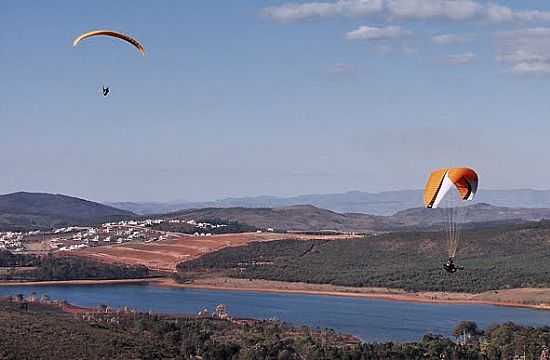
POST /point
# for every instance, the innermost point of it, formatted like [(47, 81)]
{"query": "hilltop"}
[(26, 211), (477, 213), (382, 203), (311, 218), (299, 217)]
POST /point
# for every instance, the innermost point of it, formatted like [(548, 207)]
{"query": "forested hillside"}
[(22, 267), (495, 257)]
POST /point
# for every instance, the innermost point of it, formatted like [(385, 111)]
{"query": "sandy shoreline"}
[(520, 298), (225, 284), (77, 282)]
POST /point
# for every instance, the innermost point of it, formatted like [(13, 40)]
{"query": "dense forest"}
[(494, 257), (29, 330), (43, 268)]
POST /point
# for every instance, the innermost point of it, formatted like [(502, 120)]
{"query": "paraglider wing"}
[(465, 180), (433, 187), (111, 33)]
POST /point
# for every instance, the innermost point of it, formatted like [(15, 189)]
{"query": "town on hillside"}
[(70, 238)]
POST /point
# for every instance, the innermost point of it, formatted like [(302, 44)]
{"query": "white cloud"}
[(531, 68), (460, 59), (499, 13), (294, 12), (429, 9), (405, 10), (342, 68), (383, 49), (526, 51), (448, 39), (521, 56), (534, 15), (376, 33), (408, 50)]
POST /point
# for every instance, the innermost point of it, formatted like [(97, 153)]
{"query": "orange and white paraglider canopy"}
[(465, 180)]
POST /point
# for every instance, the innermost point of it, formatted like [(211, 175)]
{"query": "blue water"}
[(370, 320)]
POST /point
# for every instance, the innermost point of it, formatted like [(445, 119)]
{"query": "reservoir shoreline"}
[(522, 298)]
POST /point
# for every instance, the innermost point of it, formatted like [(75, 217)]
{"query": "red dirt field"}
[(165, 255)]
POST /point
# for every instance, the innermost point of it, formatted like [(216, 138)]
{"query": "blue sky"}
[(272, 97)]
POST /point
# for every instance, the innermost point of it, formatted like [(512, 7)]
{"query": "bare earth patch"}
[(165, 255), (525, 296)]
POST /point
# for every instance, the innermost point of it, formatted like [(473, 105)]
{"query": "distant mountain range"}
[(311, 218), (384, 203), (298, 217), (25, 211), (30, 211)]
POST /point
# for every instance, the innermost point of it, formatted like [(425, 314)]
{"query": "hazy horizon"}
[(273, 98), (481, 190), (206, 200)]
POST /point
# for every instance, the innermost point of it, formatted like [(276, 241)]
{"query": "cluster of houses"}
[(202, 227), (72, 238), (106, 234), (13, 241), (78, 237)]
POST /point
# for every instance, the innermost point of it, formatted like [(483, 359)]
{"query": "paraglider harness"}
[(105, 91), (450, 266)]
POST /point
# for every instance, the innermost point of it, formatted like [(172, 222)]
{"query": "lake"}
[(370, 320)]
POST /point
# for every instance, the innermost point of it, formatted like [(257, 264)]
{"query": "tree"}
[(468, 328)]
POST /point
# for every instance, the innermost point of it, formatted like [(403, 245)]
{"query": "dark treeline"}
[(496, 257), (231, 227), (9, 259), (29, 331), (50, 267)]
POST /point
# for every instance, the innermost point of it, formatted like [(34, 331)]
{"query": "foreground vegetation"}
[(22, 267), (30, 329), (495, 257)]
